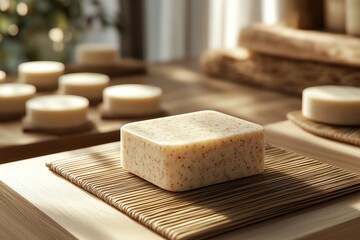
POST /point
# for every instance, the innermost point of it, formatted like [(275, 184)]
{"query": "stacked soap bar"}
[(193, 150), (338, 105)]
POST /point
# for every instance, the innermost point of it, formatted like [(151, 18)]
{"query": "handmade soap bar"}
[(193, 150), (88, 85), (13, 97), (96, 54), (338, 105), (132, 99), (2, 76), (56, 112), (43, 75)]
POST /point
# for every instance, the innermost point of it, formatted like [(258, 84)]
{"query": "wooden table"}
[(185, 90), (86, 217)]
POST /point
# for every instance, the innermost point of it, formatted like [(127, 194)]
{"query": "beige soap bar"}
[(43, 75), (56, 112), (338, 105), (13, 97), (2, 76), (88, 85), (132, 100), (193, 150), (96, 54)]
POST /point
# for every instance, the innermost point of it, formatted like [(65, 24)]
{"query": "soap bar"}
[(43, 75), (193, 150), (96, 54), (56, 112), (339, 105), (132, 100), (88, 85), (2, 76), (13, 97)]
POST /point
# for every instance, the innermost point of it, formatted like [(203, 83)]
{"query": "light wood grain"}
[(290, 136), (20, 218), (87, 217), (185, 90)]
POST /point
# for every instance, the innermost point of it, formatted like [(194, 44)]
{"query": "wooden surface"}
[(87, 217), (185, 90), (124, 67), (19, 218), (290, 136)]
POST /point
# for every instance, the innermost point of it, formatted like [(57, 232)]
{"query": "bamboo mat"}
[(290, 182), (22, 220), (350, 135)]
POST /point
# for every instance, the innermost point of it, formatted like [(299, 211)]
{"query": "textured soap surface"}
[(339, 105), (192, 150)]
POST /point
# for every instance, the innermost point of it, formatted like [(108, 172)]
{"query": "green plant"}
[(44, 29)]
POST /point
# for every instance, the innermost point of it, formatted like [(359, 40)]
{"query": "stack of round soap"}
[(13, 97), (96, 54), (2, 76), (88, 85), (338, 105), (132, 100), (42, 74), (57, 112)]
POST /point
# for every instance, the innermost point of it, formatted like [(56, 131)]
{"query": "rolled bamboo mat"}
[(290, 182), (350, 135), (20, 219)]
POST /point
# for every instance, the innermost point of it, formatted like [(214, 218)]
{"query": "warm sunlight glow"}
[(56, 35), (269, 11), (4, 5), (22, 9), (13, 29)]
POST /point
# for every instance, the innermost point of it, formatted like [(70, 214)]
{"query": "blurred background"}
[(153, 30)]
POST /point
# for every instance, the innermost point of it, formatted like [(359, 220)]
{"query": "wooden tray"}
[(290, 182), (290, 136), (184, 89)]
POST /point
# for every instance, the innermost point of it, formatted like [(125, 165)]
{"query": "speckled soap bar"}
[(193, 150)]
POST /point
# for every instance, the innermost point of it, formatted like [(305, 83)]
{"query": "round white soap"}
[(13, 97), (96, 54), (43, 75), (88, 85), (132, 99), (2, 76), (339, 105), (55, 112)]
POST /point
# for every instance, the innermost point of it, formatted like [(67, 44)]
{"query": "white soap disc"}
[(88, 85), (339, 105), (96, 54), (132, 99), (43, 75), (13, 97), (62, 111)]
